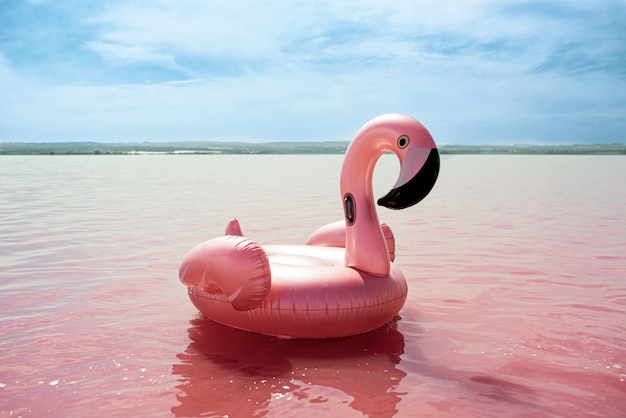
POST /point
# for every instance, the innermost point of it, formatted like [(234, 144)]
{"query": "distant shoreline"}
[(335, 147)]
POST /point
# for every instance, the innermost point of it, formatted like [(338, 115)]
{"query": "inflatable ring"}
[(342, 281)]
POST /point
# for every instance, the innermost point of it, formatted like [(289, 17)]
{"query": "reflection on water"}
[(225, 370), (228, 372)]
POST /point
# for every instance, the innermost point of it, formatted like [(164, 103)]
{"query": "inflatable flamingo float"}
[(342, 282)]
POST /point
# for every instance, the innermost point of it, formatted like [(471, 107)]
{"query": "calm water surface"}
[(517, 290)]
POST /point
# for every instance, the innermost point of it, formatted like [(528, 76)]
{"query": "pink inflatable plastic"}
[(342, 282)]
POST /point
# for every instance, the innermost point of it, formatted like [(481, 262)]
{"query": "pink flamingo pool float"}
[(342, 282)]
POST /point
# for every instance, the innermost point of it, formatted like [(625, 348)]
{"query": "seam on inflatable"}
[(204, 295)]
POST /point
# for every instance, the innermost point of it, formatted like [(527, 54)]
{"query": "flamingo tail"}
[(232, 265)]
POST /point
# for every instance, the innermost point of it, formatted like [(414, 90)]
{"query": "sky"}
[(472, 71)]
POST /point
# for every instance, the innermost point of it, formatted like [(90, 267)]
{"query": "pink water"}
[(517, 290)]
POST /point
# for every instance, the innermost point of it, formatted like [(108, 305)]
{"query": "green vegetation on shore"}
[(335, 147)]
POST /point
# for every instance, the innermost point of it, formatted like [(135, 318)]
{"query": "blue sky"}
[(473, 71)]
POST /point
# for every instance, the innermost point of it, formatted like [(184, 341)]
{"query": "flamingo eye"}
[(403, 141)]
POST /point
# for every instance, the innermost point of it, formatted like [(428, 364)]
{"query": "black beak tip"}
[(416, 189)]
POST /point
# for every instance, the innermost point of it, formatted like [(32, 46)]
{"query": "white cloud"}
[(196, 27), (114, 52), (7, 77)]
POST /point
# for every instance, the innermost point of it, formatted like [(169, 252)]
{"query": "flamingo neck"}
[(366, 247)]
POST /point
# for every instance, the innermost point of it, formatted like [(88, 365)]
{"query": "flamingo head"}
[(419, 162)]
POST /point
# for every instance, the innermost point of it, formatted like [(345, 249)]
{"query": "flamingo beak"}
[(418, 174)]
